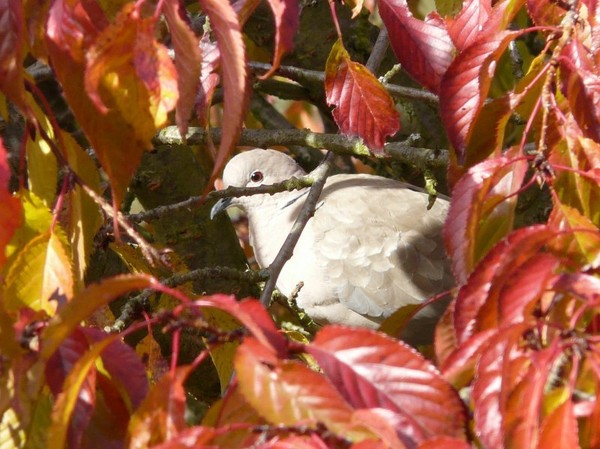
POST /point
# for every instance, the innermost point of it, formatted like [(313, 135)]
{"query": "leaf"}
[(484, 285), (192, 438), (466, 84), (120, 133), (83, 215), (560, 429), (127, 372), (57, 369), (288, 392), (188, 60), (545, 12), (82, 373), (161, 416), (424, 49), (482, 211), (128, 69), (85, 303), (42, 168), (580, 187), (581, 87), (228, 32), (287, 19), (40, 277), (501, 366), (362, 105), (12, 38), (375, 371), (469, 22), (11, 214)]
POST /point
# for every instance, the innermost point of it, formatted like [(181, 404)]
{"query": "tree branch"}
[(308, 209), (312, 76)]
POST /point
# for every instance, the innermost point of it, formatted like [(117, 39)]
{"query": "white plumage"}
[(371, 247)]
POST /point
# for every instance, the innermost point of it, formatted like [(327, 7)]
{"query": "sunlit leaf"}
[(209, 78), (40, 277), (83, 213), (373, 370), (559, 429), (424, 49), (129, 70), (42, 168), (287, 392), (466, 84), (545, 12), (188, 60), (469, 22), (581, 86), (362, 105), (482, 211), (11, 210), (445, 443)]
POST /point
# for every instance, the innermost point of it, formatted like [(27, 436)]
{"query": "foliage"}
[(516, 357)]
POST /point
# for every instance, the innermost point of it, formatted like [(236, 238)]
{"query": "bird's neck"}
[(272, 223)]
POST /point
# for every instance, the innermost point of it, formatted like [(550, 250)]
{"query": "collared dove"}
[(370, 248)]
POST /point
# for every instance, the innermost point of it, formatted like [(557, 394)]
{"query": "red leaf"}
[(501, 366), (459, 367), (466, 26), (11, 210), (424, 49), (287, 392), (192, 438), (480, 213), (485, 284), (524, 406), (362, 105), (287, 19), (125, 368), (445, 341), (581, 86), (519, 293), (560, 429), (12, 37), (465, 86), (161, 416), (227, 30), (372, 370), (188, 60), (58, 367)]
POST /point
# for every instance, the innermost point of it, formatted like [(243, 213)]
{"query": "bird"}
[(371, 247)]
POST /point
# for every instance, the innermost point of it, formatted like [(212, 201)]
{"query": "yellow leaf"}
[(40, 276)]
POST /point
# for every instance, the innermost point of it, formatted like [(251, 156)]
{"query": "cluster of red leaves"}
[(517, 354)]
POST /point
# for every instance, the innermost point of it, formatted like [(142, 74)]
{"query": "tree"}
[(107, 105)]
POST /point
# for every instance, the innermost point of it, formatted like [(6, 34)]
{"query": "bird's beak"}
[(220, 206)]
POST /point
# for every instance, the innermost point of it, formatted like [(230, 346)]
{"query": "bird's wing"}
[(378, 245)]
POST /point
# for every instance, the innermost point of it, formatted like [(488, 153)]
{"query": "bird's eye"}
[(256, 176)]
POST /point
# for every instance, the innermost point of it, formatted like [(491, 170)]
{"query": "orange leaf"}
[(362, 105)]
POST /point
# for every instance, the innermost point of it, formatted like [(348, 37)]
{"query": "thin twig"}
[(308, 210), (313, 76), (378, 52), (132, 308)]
